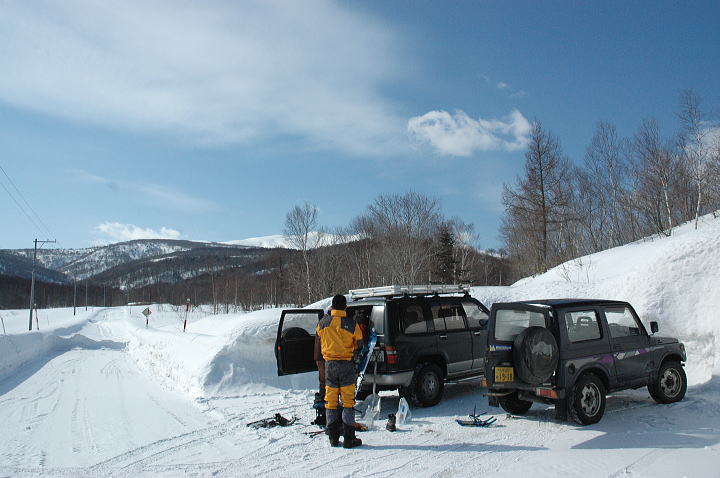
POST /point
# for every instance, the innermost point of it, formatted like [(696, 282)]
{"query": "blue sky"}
[(210, 120)]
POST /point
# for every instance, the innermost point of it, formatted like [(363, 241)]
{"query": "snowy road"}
[(90, 407), (84, 406)]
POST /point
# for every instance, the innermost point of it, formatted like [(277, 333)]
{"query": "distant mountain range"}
[(139, 262)]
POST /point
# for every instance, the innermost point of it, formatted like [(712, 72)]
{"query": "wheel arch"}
[(670, 356), (436, 359), (599, 372)]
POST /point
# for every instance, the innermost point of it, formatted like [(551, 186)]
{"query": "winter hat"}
[(339, 302)]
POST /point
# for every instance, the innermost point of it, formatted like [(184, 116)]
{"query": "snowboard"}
[(365, 360)]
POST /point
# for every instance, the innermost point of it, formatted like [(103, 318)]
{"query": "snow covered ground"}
[(99, 394)]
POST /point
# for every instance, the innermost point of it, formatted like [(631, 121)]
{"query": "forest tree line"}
[(624, 189)]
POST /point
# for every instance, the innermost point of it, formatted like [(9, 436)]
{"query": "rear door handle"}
[(477, 333), (444, 337)]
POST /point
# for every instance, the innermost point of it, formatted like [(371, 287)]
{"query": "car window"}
[(438, 320), (510, 322), (412, 320), (476, 317), (302, 320), (621, 322), (448, 317), (582, 325), (377, 319)]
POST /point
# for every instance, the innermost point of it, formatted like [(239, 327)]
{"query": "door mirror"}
[(654, 327)]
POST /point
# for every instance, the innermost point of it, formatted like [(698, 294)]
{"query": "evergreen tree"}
[(445, 263)]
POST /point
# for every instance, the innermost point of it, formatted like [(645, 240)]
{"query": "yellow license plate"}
[(504, 374)]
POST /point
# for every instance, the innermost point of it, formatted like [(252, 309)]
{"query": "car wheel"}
[(588, 400), (671, 383), (426, 387), (514, 405)]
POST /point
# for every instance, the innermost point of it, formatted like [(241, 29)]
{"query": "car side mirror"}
[(654, 327)]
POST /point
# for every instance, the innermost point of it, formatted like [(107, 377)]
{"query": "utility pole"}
[(86, 294), (32, 280), (74, 294)]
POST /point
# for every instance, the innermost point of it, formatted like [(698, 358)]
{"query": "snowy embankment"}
[(59, 331), (672, 280)]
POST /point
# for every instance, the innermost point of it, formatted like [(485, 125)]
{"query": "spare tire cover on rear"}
[(535, 353)]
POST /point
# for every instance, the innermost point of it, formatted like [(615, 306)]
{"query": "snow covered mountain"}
[(315, 239), (84, 263)]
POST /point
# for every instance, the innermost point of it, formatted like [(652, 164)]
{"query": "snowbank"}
[(672, 280), (20, 348)]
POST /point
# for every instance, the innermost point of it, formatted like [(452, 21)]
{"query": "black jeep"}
[(572, 352), (426, 335)]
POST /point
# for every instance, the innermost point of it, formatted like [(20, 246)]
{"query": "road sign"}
[(146, 312)]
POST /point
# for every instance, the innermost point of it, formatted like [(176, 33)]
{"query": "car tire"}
[(514, 405), (587, 404), (426, 387), (670, 384)]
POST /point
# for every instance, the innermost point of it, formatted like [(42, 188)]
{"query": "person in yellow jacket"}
[(340, 340)]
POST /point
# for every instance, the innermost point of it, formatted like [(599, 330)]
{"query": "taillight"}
[(391, 355), (546, 392)]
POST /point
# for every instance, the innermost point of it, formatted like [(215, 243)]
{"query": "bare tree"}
[(300, 232), (403, 228), (656, 172), (537, 207), (694, 146), (607, 167), (465, 252)]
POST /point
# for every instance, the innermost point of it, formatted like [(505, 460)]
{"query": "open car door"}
[(295, 341)]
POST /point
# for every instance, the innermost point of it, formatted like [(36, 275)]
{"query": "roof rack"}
[(407, 290)]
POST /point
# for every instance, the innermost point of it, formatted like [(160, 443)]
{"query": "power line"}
[(22, 197), (22, 209)]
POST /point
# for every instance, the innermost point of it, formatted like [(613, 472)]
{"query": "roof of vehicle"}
[(367, 301), (566, 302)]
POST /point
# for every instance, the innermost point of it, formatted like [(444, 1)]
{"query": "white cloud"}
[(117, 232), (209, 72), (461, 135), (502, 85), (176, 199), (165, 196)]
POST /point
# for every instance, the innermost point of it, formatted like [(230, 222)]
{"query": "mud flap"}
[(561, 409)]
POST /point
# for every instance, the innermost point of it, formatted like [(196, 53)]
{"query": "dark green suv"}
[(427, 335)]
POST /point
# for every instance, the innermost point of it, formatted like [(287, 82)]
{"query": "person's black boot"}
[(349, 439), (333, 433), (320, 419), (390, 426)]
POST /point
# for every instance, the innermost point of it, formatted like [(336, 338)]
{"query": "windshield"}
[(509, 323)]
